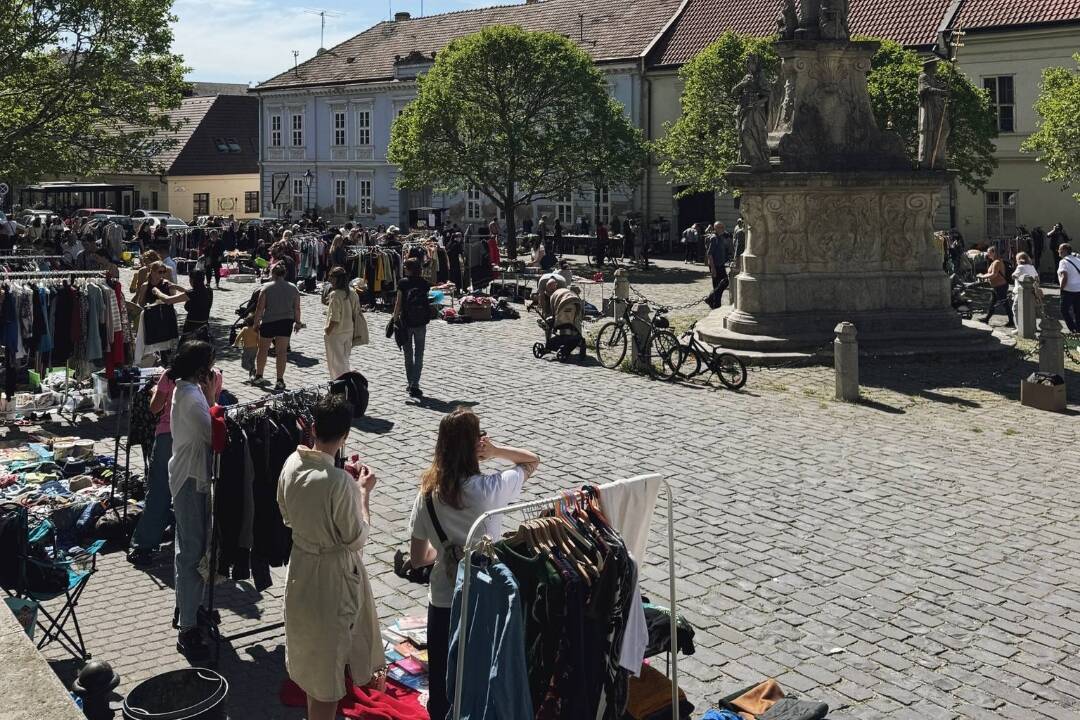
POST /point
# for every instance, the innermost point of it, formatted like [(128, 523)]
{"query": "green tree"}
[(702, 144), (520, 116), (85, 86), (1057, 141)]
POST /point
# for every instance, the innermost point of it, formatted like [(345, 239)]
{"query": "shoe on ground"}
[(259, 381), (141, 558), (191, 644), (414, 391), (279, 386)]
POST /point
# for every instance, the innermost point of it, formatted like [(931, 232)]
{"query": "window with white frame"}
[(1000, 213), (603, 197), (473, 206), (1003, 101), (275, 130), (341, 189), (339, 127), (298, 195), (564, 208), (365, 194), (363, 127), (297, 120)]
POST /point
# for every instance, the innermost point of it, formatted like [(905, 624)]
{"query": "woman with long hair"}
[(454, 492), (189, 483), (338, 332)]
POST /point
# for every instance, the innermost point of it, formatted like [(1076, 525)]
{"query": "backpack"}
[(417, 309), (354, 387), (359, 322), (143, 422)]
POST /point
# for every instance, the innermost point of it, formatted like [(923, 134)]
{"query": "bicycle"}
[(688, 360), (615, 336)]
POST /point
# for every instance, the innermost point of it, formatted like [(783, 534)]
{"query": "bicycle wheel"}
[(729, 368), (663, 351), (611, 345), (685, 362)]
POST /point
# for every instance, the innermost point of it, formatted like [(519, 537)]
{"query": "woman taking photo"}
[(330, 618), (456, 493), (338, 333), (189, 483)]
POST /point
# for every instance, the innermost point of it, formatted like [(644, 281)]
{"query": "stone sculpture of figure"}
[(751, 115), (833, 20), (933, 118), (788, 22)]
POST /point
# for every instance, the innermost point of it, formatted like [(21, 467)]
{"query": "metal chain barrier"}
[(641, 298)]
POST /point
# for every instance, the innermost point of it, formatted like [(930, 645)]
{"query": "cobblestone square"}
[(914, 556)]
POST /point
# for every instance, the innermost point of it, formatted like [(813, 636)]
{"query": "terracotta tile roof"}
[(909, 22), (609, 30), (986, 14)]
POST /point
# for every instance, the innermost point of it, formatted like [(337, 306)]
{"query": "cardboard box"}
[(475, 311), (1042, 397)]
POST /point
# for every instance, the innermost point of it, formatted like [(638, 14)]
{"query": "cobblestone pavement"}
[(913, 559)]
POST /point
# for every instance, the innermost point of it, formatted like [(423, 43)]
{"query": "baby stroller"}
[(242, 312), (563, 329)]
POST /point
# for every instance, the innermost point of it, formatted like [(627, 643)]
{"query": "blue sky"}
[(252, 40)]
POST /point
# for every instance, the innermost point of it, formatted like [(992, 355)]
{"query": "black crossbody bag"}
[(403, 567)]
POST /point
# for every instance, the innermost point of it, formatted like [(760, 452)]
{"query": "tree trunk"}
[(511, 223)]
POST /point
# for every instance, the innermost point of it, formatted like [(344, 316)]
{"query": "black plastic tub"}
[(188, 694)]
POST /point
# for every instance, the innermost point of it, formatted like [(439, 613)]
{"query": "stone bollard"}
[(846, 362), (639, 325), (1051, 347), (621, 296), (1025, 309)]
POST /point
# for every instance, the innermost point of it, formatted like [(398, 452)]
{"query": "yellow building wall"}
[(1023, 55), (226, 194)]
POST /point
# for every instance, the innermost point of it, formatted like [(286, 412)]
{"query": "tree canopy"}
[(85, 86), (1057, 141), (518, 115), (702, 144)]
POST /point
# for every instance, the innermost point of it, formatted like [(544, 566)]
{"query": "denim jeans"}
[(414, 354), (495, 683), (191, 510), (157, 511)]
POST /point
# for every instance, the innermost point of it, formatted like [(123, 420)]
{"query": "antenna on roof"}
[(295, 67), (323, 14)]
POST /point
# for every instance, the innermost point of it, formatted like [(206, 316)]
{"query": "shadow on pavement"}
[(442, 406), (375, 425)]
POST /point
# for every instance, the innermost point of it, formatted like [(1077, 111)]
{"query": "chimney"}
[(531, 2), (401, 16)]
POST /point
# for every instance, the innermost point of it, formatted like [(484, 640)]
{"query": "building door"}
[(699, 207)]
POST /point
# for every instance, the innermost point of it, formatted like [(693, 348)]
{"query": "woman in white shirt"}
[(458, 494), (338, 332), (189, 483), (1024, 268)]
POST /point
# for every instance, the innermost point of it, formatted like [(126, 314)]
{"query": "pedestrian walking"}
[(999, 283), (277, 316), (341, 305), (1068, 273), (212, 258), (248, 342), (453, 494), (718, 257), (412, 312), (1024, 268), (690, 238)]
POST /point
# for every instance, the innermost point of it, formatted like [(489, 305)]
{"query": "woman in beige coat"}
[(330, 618)]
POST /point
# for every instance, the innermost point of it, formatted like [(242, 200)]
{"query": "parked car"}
[(89, 212), (123, 220), (151, 214), (171, 223), (26, 217)]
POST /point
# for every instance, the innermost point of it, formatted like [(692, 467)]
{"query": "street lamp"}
[(308, 177)]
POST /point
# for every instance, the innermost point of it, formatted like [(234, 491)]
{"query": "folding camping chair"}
[(35, 562)]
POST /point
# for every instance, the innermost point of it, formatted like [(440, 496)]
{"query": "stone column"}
[(621, 296), (846, 362), (1051, 348), (639, 325), (1025, 309)]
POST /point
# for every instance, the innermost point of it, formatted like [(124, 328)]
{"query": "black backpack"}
[(417, 309), (354, 387)]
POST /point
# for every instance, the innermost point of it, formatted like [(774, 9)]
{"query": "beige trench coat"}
[(330, 616)]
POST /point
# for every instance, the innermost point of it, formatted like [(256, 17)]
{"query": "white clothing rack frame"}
[(470, 544)]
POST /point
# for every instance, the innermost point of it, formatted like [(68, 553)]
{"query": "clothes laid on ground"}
[(361, 703), (650, 696)]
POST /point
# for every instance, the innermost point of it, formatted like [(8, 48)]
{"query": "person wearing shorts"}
[(276, 317)]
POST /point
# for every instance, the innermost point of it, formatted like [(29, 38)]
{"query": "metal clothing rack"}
[(215, 631), (472, 542), (28, 258)]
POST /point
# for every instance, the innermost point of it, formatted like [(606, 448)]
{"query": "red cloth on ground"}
[(397, 703)]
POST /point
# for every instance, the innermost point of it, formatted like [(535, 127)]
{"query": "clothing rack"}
[(45, 274), (27, 258), (472, 543), (215, 631)]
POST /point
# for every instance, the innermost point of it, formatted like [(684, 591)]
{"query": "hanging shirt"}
[(190, 421)]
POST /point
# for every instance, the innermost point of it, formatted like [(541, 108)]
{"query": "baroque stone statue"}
[(833, 20), (751, 115), (788, 22), (933, 118)]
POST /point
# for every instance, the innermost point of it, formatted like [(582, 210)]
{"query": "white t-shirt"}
[(1020, 273), (1070, 265), (479, 494), (190, 425)]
